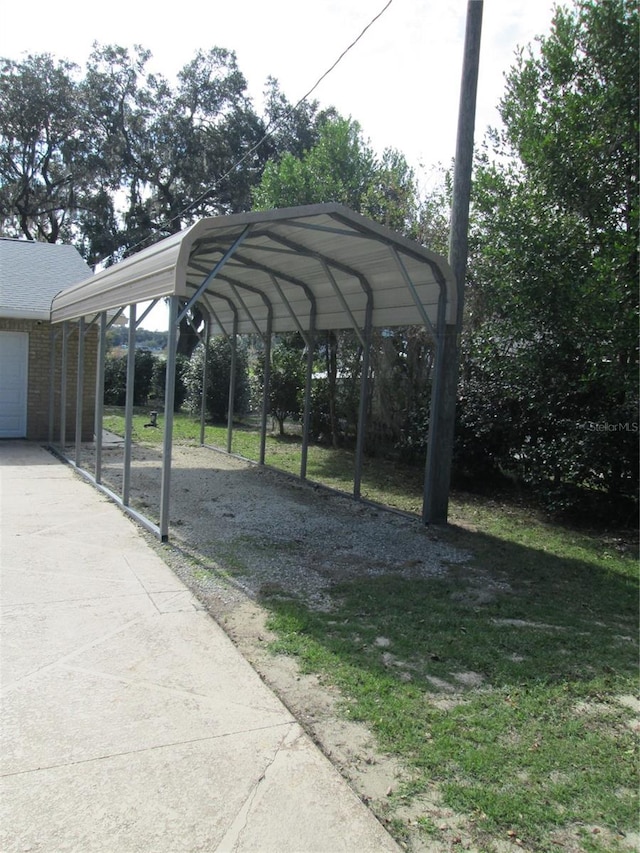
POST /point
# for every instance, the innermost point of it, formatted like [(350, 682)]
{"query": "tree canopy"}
[(550, 376), (44, 149), (112, 156)]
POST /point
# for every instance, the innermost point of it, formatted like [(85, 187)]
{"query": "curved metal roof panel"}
[(318, 266)]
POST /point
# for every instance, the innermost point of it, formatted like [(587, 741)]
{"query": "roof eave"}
[(22, 314)]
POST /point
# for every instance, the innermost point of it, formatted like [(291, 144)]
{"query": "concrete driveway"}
[(130, 722)]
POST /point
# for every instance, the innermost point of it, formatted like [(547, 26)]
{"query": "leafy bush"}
[(287, 378), (115, 378), (159, 380), (218, 374)]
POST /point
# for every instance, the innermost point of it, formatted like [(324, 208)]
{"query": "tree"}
[(173, 149), (288, 128), (550, 356), (434, 213), (218, 374), (286, 379), (115, 378), (402, 363), (116, 156), (341, 167), (159, 381), (390, 197), (45, 150)]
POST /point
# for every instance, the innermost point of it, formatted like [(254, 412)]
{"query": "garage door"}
[(14, 364)]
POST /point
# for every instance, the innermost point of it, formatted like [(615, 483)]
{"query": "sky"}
[(401, 81)]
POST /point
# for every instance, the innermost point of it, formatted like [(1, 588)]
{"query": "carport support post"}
[(99, 408), (128, 408), (443, 404), (79, 391), (265, 390), (306, 420), (232, 383), (63, 384), (362, 409), (169, 395), (203, 406), (52, 375)]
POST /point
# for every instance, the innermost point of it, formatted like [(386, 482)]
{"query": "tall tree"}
[(175, 147), (550, 376), (290, 128), (45, 150), (117, 156), (341, 166)]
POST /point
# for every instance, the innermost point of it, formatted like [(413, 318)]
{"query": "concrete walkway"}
[(130, 722)]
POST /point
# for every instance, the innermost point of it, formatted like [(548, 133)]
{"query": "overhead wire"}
[(270, 129)]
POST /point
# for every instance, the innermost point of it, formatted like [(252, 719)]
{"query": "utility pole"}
[(442, 423)]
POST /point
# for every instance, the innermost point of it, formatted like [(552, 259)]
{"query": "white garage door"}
[(14, 365)]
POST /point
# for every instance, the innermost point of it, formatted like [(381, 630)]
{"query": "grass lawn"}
[(514, 702), (511, 684)]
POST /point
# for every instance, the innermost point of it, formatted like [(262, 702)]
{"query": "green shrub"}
[(159, 377), (218, 373)]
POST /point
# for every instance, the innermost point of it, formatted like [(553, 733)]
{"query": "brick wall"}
[(39, 371)]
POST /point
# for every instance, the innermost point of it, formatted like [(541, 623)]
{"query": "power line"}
[(269, 129)]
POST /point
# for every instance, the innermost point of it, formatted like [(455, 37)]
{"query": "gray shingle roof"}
[(31, 274)]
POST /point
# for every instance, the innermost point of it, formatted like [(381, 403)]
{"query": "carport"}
[(306, 269)]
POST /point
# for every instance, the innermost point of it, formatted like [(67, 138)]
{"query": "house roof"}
[(313, 267), (32, 273)]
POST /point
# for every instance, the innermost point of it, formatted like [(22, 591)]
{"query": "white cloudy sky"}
[(401, 81)]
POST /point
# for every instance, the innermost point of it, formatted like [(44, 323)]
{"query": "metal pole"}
[(52, 376), (362, 409), (63, 384), (265, 390), (147, 311), (99, 406), (459, 233), (443, 407), (306, 419), (203, 406), (128, 406), (79, 391), (169, 389), (232, 383), (214, 272)]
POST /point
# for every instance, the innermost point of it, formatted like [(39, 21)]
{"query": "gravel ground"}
[(270, 530)]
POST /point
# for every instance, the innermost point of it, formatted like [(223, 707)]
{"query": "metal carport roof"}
[(323, 260), (307, 269)]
